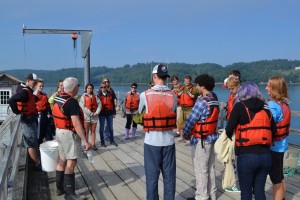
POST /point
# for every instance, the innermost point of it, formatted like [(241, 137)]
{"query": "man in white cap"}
[(23, 102), (159, 106)]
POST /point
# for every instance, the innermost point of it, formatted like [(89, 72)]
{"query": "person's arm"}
[(99, 108), (142, 105), (51, 99), (175, 104), (80, 131), (198, 111), (22, 96), (82, 105), (233, 120)]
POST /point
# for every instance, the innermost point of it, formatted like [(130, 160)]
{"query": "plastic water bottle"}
[(90, 156)]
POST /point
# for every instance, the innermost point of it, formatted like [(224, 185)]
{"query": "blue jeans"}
[(252, 172), (158, 159), (109, 120)]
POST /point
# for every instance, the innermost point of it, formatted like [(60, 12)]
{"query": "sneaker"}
[(179, 140), (187, 143), (113, 143), (233, 189)]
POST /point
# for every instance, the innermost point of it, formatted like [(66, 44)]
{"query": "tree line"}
[(258, 71)]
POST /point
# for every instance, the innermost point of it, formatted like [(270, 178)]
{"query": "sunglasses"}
[(133, 87), (102, 87)]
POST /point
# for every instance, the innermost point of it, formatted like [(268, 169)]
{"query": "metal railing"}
[(10, 149)]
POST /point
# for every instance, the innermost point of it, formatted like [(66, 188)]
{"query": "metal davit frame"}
[(86, 37)]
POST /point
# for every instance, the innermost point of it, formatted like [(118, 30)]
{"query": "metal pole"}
[(87, 67)]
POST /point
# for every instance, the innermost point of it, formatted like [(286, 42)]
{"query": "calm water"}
[(294, 92)]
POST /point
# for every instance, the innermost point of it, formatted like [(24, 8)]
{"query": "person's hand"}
[(190, 94), (88, 146)]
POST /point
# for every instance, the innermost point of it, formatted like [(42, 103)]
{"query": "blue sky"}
[(133, 31)]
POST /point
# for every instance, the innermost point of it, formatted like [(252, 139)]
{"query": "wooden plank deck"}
[(118, 172)]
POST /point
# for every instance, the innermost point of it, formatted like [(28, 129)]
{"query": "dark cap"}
[(134, 84), (32, 77), (161, 70)]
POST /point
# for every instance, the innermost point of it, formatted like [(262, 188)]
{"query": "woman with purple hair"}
[(252, 125)]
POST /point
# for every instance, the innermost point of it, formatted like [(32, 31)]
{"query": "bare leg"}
[(181, 134), (279, 190), (87, 130), (61, 164), (33, 155), (93, 133), (71, 164)]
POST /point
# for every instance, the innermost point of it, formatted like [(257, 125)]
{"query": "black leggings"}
[(129, 120)]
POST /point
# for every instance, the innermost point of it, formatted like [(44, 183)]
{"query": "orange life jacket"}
[(185, 100), (283, 127), (60, 119), (160, 116), (258, 131), (42, 104), (90, 103), (27, 108), (132, 101), (209, 126), (106, 101), (230, 104)]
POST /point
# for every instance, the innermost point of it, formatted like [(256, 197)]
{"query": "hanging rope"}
[(74, 37), (24, 49)]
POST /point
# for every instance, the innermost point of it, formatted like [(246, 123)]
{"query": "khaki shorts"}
[(178, 111), (69, 144), (182, 117)]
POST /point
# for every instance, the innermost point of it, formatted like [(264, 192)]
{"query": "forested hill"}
[(257, 72)]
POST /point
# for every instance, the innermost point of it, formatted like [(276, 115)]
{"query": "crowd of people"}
[(186, 112)]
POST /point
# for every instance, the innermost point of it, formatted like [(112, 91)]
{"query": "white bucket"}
[(49, 155)]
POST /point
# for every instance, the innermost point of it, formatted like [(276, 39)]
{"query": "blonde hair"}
[(39, 80), (233, 81), (278, 88)]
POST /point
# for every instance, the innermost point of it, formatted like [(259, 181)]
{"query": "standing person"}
[(91, 106), (279, 106), (59, 90), (159, 104), (233, 85), (254, 129), (202, 125), (68, 119), (23, 102), (175, 89), (186, 97), (132, 100), (109, 89), (43, 109), (107, 114)]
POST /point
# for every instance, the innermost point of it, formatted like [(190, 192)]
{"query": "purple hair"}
[(249, 90)]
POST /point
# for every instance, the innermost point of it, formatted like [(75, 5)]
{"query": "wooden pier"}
[(118, 173)]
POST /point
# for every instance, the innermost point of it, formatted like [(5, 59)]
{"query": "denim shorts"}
[(29, 134)]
